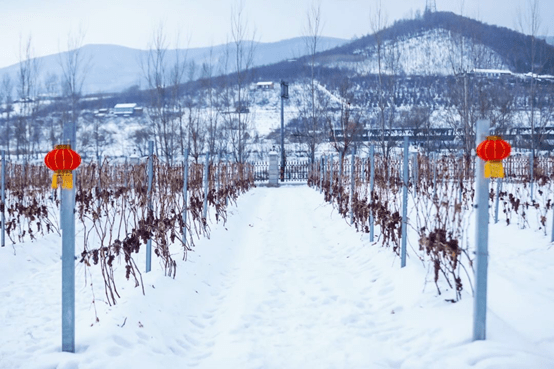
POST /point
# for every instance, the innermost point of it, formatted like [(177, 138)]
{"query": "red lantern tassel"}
[(55, 180), (494, 169), (67, 179)]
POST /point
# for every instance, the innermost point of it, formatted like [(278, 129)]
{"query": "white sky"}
[(207, 22)]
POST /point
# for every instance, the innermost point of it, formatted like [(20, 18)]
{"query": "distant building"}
[(492, 73), (265, 86), (124, 109)]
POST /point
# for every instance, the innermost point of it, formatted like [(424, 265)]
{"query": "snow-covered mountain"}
[(432, 52), (441, 43), (113, 68)]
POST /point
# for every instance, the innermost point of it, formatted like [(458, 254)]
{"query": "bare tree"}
[(95, 136), (196, 127), (6, 92), (154, 68), (471, 96), (25, 128), (349, 122), (209, 101), (529, 22), (225, 99), (177, 74), (164, 81), (418, 117), (387, 55), (312, 101), (239, 128), (74, 66)]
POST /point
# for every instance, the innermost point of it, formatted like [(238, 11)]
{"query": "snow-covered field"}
[(286, 283)]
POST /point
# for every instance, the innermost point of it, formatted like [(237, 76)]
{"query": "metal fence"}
[(295, 171), (261, 171)]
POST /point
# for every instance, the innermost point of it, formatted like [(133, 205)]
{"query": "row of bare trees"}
[(211, 115), (23, 95), (205, 108)]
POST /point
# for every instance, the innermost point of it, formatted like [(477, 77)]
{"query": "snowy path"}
[(296, 299), (286, 283)]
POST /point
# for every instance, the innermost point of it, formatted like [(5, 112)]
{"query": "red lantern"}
[(493, 150), (62, 160)]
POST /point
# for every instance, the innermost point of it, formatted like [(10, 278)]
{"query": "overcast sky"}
[(207, 22)]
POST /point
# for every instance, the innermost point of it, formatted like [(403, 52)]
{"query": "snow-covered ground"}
[(286, 283)]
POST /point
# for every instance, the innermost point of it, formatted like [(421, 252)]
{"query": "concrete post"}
[(273, 169)]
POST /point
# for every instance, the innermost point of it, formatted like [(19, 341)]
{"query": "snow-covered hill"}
[(112, 68), (434, 52)]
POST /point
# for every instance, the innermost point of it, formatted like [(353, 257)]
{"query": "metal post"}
[(414, 170), (388, 171), (99, 186), (461, 170), (497, 200), (126, 171), (351, 196), (404, 203), (532, 169), (185, 194), (371, 183), (435, 176), (321, 161), (228, 164), (68, 269), (339, 179), (3, 198), (481, 239), (218, 173), (206, 186), (552, 235), (331, 176), (324, 170), (284, 95), (282, 171), (150, 210)]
